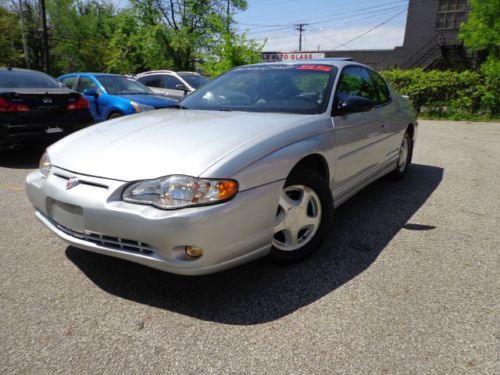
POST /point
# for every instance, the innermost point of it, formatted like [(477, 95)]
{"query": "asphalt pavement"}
[(406, 283)]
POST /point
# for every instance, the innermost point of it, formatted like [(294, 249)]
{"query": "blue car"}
[(114, 95)]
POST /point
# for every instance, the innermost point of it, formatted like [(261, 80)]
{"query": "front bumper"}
[(91, 216)]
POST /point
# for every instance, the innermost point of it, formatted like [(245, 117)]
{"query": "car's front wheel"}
[(114, 115), (303, 216), (404, 159)]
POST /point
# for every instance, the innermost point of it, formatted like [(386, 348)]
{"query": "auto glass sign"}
[(291, 56)]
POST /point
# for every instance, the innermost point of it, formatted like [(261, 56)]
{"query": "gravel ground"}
[(407, 282)]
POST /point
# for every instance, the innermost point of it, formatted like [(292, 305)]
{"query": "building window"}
[(451, 13)]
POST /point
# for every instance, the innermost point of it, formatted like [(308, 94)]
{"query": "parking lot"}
[(407, 282)]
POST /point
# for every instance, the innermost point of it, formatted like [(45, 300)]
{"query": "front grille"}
[(83, 182), (110, 242)]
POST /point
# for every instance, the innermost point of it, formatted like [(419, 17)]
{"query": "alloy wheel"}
[(297, 219)]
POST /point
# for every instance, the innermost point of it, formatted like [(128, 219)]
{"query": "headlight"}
[(141, 107), (179, 191), (44, 164)]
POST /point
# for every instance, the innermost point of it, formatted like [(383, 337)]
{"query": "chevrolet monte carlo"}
[(252, 164)]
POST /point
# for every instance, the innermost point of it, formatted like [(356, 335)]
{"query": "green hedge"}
[(452, 95)]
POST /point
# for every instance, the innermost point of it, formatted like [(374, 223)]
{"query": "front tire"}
[(114, 115), (404, 160), (303, 216)]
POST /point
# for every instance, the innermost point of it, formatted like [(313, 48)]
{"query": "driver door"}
[(87, 83), (357, 135)]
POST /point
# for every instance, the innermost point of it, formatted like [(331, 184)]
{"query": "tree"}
[(481, 33), (79, 34), (10, 40), (482, 29), (189, 24), (229, 51)]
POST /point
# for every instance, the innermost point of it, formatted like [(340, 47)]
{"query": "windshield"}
[(119, 85), (194, 80), (27, 79), (303, 89)]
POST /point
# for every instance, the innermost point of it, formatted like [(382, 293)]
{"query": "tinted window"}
[(86, 83), (151, 81), (120, 85), (194, 80), (69, 82), (170, 82), (303, 89), (26, 79), (384, 95), (355, 81)]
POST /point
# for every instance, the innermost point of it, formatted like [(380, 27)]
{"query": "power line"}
[(352, 16), (372, 29), (378, 7)]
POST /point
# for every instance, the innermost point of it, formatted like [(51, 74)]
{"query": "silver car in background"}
[(174, 85), (252, 164)]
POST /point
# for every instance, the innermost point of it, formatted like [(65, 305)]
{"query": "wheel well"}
[(316, 163), (411, 131)]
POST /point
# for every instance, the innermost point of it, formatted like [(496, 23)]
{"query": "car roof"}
[(22, 70), (337, 62), (90, 74), (166, 72)]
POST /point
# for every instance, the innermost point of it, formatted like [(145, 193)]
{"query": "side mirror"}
[(354, 104), (90, 92), (182, 87)]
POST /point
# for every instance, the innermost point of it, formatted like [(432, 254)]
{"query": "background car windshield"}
[(29, 80), (303, 89), (118, 85), (194, 80)]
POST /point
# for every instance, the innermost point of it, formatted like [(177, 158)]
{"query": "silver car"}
[(174, 85), (252, 164)]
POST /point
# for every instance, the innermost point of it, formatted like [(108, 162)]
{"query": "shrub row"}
[(452, 95)]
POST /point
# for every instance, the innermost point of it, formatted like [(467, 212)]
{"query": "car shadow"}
[(26, 158), (261, 291)]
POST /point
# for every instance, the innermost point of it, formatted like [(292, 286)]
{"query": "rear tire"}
[(303, 217), (404, 160)]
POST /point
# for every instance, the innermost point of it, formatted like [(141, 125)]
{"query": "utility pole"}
[(45, 38), (228, 14), (23, 36), (300, 28)]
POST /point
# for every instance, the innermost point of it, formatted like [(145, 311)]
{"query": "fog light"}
[(194, 252)]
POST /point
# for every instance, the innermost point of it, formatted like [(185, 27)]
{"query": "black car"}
[(35, 109)]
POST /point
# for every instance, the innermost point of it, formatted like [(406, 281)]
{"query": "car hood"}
[(164, 142), (152, 100)]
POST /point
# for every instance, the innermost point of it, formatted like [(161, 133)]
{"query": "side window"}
[(69, 82), (170, 82), (151, 81), (85, 83), (384, 95), (355, 81)]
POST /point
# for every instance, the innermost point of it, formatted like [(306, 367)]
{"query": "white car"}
[(252, 164), (174, 85)]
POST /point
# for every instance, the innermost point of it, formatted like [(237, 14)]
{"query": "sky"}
[(333, 24)]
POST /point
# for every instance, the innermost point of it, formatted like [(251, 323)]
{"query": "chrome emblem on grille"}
[(72, 182), (47, 100)]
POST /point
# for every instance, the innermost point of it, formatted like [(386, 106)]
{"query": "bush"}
[(452, 95)]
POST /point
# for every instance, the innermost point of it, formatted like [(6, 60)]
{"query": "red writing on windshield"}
[(320, 68)]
